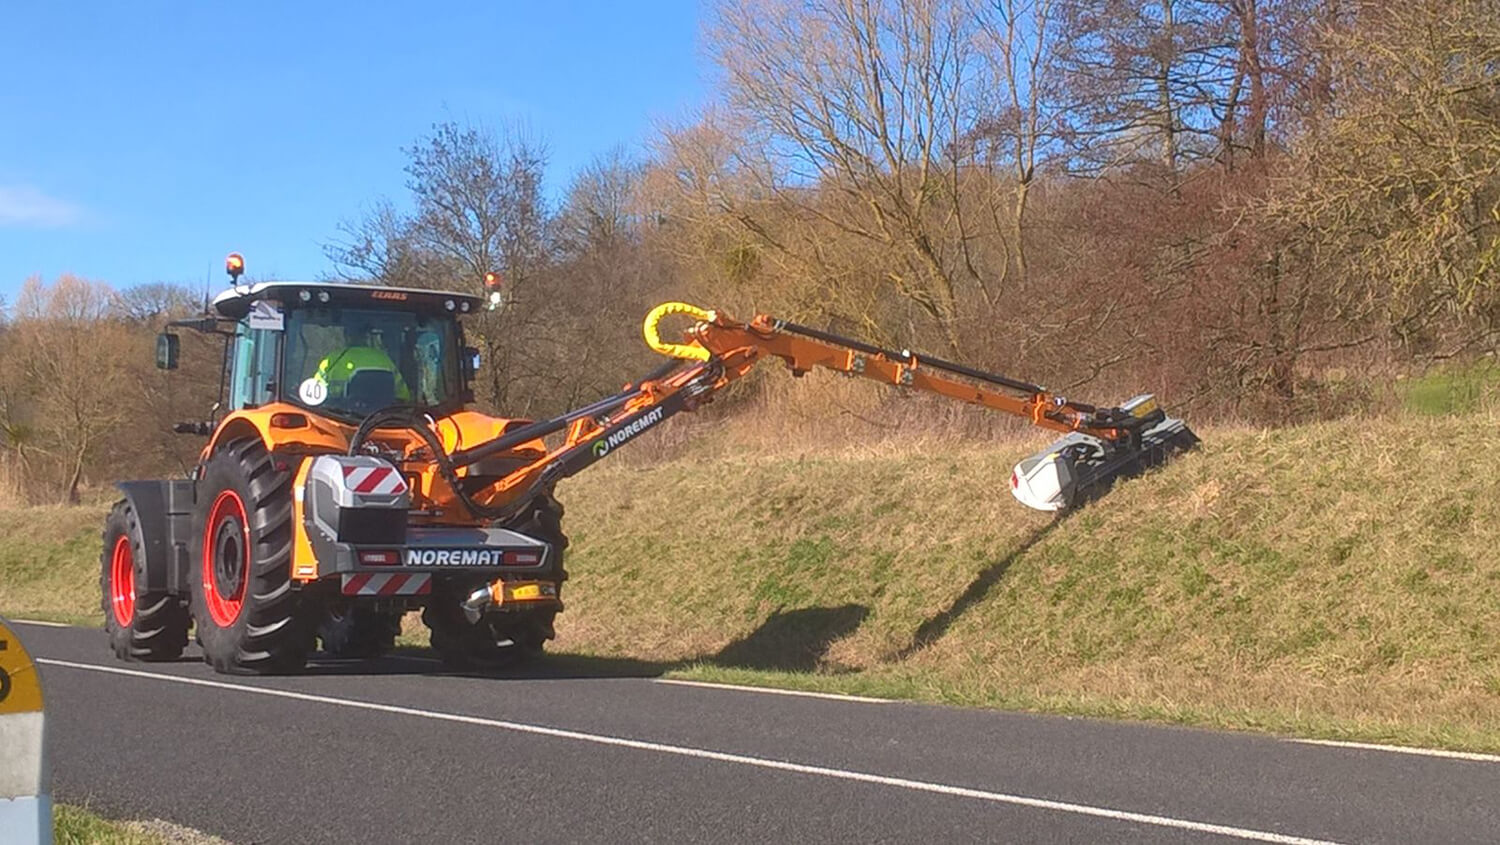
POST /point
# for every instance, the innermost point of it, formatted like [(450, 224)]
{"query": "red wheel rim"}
[(226, 558), (122, 582)]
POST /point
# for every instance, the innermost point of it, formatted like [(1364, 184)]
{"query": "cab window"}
[(351, 362), (253, 379)]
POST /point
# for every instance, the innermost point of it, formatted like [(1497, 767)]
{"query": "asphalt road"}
[(395, 751)]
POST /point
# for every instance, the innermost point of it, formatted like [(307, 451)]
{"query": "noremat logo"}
[(603, 445), (454, 557), (388, 294)]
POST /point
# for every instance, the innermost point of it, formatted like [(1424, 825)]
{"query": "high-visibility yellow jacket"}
[(336, 370)]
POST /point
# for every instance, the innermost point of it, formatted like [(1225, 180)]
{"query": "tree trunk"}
[(1023, 194), (1282, 355), (1255, 121), (1165, 101)]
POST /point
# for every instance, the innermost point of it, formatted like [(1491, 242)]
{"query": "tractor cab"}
[(344, 351)]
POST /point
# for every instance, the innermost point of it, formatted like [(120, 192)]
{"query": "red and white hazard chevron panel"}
[(384, 584), (383, 479)]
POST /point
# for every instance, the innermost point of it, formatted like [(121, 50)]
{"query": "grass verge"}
[(49, 563), (77, 826), (72, 825), (1335, 580)]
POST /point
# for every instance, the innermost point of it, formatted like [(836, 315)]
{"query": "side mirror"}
[(167, 346), (470, 362)]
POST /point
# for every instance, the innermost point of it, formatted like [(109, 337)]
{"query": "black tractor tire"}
[(465, 645), (141, 625), (249, 618), (499, 640), (543, 520), (358, 632)]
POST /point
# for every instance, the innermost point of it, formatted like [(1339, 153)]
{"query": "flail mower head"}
[(1081, 466)]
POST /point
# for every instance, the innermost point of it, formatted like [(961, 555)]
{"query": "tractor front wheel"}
[(248, 617), (499, 640), (141, 624)]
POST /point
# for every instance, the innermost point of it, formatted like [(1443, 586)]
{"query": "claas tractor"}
[(347, 482)]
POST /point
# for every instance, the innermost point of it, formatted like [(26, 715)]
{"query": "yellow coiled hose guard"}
[(690, 352)]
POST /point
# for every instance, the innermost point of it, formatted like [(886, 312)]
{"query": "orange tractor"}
[(348, 483)]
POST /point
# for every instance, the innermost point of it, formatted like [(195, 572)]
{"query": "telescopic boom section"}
[(740, 345)]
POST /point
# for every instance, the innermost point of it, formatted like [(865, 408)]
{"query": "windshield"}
[(351, 362)]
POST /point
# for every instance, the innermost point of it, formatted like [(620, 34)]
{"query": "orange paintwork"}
[(304, 562), (736, 348), (740, 345), (323, 436)]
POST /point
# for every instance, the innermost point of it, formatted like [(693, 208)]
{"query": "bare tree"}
[(860, 101), (1395, 199), (479, 209), (601, 208), (1018, 103), (70, 353), (1146, 81), (479, 200), (383, 247), (156, 301)]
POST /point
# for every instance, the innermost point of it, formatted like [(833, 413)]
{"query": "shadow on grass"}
[(794, 641), (933, 629), (791, 641)]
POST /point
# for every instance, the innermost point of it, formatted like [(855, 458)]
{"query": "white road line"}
[(720, 756), (41, 623), (775, 691), (1405, 749)]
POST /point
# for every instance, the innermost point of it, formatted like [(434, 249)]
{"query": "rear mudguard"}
[(165, 511)]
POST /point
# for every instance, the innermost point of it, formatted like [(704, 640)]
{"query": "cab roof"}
[(234, 303)]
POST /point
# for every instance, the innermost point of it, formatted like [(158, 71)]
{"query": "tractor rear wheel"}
[(141, 625), (249, 619), (358, 632)]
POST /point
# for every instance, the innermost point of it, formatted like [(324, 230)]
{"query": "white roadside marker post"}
[(25, 805)]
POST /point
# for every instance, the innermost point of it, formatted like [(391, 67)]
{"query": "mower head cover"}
[(1080, 466)]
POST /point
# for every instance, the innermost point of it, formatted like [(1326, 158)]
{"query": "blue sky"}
[(144, 140)]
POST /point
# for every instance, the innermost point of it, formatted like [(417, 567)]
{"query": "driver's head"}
[(367, 334)]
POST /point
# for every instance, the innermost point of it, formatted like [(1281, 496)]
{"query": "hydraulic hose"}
[(408, 417), (686, 351)]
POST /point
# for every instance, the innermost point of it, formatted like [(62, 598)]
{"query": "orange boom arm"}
[(740, 345), (719, 350)]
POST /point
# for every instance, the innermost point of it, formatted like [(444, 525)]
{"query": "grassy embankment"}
[(78, 826), (1339, 579), (75, 826)]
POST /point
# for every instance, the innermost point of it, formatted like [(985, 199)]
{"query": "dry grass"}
[(1338, 579), (49, 563), (78, 826), (1339, 570)]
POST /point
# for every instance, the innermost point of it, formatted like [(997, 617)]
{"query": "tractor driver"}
[(362, 371)]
